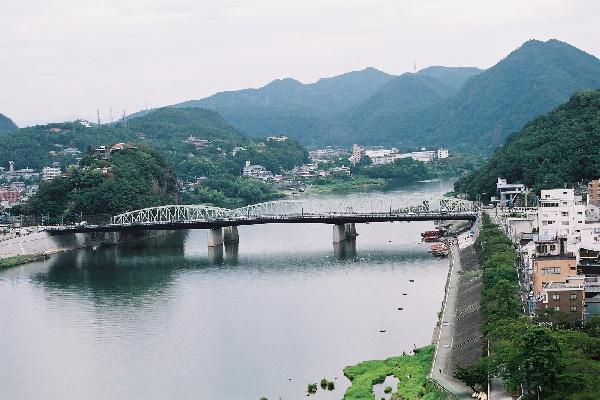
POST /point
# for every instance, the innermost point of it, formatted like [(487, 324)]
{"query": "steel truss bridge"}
[(174, 217)]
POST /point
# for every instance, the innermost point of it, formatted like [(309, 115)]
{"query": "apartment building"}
[(551, 263), (566, 298), (561, 214)]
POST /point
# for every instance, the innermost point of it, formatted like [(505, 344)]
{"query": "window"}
[(573, 296), (579, 213), (557, 309), (556, 297), (580, 222), (552, 247), (551, 271), (564, 213), (565, 222), (573, 308)]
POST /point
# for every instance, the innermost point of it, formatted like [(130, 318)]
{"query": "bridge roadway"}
[(300, 218)]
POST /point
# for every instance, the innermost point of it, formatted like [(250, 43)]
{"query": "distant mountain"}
[(561, 148), (394, 110), (169, 123), (453, 77), (6, 124), (529, 82), (286, 106)]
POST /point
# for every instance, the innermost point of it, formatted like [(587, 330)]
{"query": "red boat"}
[(432, 236), (439, 250)]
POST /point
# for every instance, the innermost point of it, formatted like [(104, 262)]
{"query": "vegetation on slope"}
[(130, 179), (548, 360), (6, 124), (166, 130), (561, 148), (410, 370)]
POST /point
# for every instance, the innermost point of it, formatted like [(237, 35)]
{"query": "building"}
[(561, 214), (357, 153), (197, 143), (49, 173), (442, 153), (551, 263), (508, 192), (256, 172), (594, 192), (340, 170), (11, 196), (121, 146), (277, 138), (567, 298)]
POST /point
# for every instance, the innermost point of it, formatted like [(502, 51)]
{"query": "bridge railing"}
[(286, 208)]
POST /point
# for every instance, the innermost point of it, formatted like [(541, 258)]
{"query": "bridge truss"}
[(282, 209)]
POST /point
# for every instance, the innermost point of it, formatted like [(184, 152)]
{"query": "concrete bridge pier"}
[(215, 254), (231, 252), (350, 228), (215, 237), (339, 233), (231, 235)]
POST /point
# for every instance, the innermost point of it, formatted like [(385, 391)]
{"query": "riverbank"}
[(15, 261), (411, 370)]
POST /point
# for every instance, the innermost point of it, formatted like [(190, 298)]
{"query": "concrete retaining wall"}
[(45, 243)]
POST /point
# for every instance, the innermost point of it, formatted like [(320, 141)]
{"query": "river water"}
[(168, 320)]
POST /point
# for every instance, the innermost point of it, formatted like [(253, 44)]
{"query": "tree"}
[(474, 376)]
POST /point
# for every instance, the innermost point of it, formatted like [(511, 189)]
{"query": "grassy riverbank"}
[(17, 260), (345, 184), (411, 370)]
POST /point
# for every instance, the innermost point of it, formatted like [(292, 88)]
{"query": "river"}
[(167, 320)]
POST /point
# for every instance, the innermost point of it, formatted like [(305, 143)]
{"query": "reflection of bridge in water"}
[(222, 223)]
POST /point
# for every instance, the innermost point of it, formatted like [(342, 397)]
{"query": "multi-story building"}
[(442, 153), (357, 153), (508, 192), (566, 298), (594, 192), (561, 214), (256, 171), (11, 196), (551, 263), (49, 173)]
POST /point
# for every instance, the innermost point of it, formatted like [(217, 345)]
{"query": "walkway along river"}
[(165, 320)]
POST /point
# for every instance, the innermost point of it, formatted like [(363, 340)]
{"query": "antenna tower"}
[(415, 66), (98, 115)]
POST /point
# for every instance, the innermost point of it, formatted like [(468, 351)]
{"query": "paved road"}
[(446, 332)]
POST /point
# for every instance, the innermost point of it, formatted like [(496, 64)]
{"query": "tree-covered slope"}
[(389, 114), (129, 179), (6, 124), (286, 106), (453, 77), (561, 148), (529, 82)]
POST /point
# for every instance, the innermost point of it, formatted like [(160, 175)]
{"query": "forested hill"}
[(393, 111), (6, 124), (529, 82), (561, 148), (129, 179), (218, 161)]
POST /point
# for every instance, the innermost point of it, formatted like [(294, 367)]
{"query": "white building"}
[(561, 214), (281, 138), (49, 173), (256, 171), (507, 192), (442, 153)]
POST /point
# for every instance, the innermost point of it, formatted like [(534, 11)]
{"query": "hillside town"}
[(558, 241)]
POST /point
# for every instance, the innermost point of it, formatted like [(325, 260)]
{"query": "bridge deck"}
[(331, 219)]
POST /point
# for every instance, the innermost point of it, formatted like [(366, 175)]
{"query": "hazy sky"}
[(63, 59)]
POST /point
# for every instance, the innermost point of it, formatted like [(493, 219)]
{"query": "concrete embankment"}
[(44, 243), (459, 340)]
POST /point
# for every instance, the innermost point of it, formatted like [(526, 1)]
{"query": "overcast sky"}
[(63, 59)]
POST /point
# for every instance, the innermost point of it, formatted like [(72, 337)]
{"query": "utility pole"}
[(98, 115)]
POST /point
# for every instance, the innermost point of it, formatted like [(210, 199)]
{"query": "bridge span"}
[(222, 223)]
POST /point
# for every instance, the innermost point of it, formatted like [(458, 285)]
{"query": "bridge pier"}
[(339, 233), (350, 228), (231, 235), (215, 237)]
